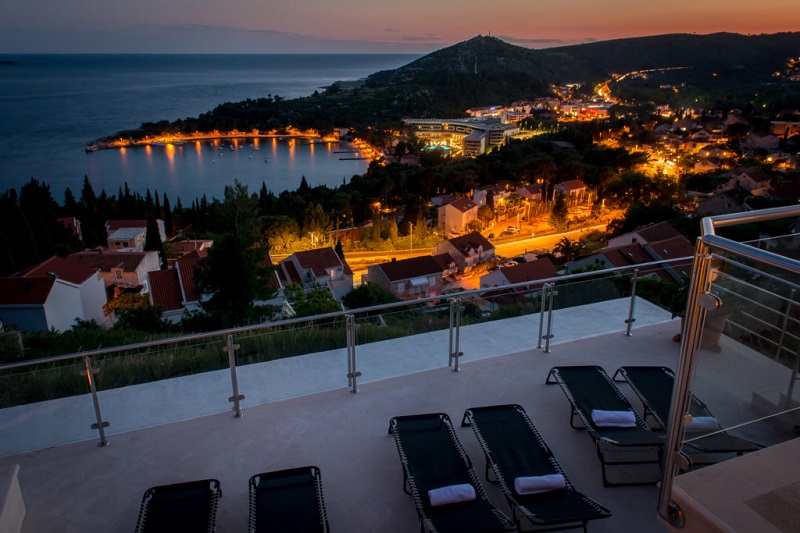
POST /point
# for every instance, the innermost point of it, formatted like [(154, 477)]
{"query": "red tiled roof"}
[(104, 260), (530, 271), (630, 254), (25, 290), (411, 268), (165, 289), (115, 224), (657, 232), (288, 273), (274, 281), (319, 260), (186, 267), (187, 246), (472, 240), (69, 271), (572, 185), (463, 204), (444, 260)]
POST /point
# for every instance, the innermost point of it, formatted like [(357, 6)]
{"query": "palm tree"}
[(567, 248)]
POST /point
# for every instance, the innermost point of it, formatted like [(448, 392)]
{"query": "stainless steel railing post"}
[(542, 309), (89, 372), (632, 309), (455, 333), (549, 332), (352, 359), (230, 348), (690, 342)]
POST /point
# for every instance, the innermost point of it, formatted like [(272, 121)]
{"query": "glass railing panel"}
[(746, 361), (379, 334), (41, 383)]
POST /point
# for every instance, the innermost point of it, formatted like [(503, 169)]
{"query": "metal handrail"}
[(708, 243), (315, 318)]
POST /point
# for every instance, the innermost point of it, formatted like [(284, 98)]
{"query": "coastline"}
[(362, 150)]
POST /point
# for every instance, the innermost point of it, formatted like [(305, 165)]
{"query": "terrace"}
[(303, 410)]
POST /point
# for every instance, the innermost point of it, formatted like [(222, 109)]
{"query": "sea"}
[(51, 106)]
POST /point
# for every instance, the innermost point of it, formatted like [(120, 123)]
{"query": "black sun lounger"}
[(186, 507), (433, 459), (653, 385), (514, 449), (589, 388), (288, 501)]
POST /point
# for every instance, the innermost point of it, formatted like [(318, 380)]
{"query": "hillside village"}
[(725, 161)]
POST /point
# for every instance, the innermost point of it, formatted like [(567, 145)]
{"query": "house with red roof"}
[(531, 271), (52, 295), (175, 290), (415, 277), (528, 271), (571, 188), (317, 267), (119, 269), (455, 216), (648, 244), (466, 250)]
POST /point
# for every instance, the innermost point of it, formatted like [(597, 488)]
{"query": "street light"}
[(411, 235)]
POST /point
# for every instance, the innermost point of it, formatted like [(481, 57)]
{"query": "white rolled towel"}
[(613, 419), (451, 494), (537, 484), (703, 423)]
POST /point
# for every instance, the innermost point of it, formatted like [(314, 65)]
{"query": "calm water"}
[(52, 105)]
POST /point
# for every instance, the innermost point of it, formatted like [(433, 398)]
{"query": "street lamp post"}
[(411, 245)]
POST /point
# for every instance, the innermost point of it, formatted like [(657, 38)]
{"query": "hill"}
[(722, 69)]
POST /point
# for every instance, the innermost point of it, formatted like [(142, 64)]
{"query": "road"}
[(545, 243), (506, 247)]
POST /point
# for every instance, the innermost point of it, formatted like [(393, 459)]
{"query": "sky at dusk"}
[(359, 26)]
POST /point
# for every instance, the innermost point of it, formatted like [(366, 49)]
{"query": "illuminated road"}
[(506, 247), (545, 243)]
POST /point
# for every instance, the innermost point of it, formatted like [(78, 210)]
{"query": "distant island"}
[(8, 63)]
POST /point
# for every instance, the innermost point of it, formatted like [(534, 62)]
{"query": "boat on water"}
[(266, 160)]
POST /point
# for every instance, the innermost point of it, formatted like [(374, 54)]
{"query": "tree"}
[(233, 275), (317, 301), (317, 221), (152, 240), (281, 232), (338, 249), (567, 248), (367, 295), (558, 217)]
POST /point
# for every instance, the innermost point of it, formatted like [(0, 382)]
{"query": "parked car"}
[(513, 229), (490, 237)]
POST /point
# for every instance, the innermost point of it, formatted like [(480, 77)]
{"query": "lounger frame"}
[(635, 440), (529, 443), (719, 443), (290, 477), (178, 495), (428, 522)]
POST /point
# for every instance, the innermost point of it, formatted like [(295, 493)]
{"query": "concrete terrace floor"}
[(300, 412)]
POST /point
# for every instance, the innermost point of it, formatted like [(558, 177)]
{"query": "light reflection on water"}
[(206, 167)]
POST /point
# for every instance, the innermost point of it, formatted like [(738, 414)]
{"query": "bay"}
[(52, 105)]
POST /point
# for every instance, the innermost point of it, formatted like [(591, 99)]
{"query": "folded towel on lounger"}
[(616, 419), (537, 484), (451, 494), (703, 423)]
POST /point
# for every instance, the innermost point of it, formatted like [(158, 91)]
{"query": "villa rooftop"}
[(299, 411)]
